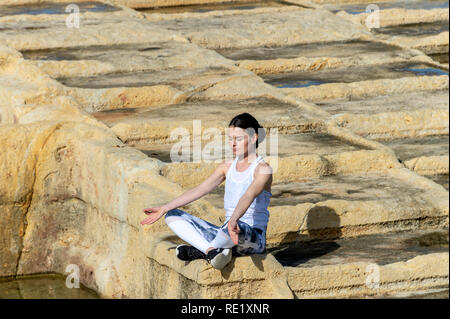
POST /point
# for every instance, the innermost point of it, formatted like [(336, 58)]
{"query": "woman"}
[(247, 196)]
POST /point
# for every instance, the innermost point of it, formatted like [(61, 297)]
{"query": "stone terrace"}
[(357, 134)]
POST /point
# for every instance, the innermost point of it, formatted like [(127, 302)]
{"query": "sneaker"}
[(219, 257), (187, 253)]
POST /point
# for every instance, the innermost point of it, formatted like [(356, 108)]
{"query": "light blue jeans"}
[(202, 234)]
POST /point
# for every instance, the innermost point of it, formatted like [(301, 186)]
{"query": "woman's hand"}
[(155, 214), (233, 230)]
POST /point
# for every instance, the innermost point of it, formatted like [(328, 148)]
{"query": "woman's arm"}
[(195, 193), (209, 184), (263, 174)]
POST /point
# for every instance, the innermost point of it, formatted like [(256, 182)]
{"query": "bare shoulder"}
[(224, 166), (263, 168)]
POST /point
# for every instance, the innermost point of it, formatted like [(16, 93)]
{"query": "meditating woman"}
[(248, 181)]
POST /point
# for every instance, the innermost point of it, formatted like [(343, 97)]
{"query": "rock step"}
[(318, 49), (55, 8), (283, 145), (381, 249), (144, 126), (351, 205), (353, 74), (355, 8), (414, 147), (344, 268), (222, 6)]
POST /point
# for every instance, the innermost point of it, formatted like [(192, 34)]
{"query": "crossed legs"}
[(199, 233), (206, 236)]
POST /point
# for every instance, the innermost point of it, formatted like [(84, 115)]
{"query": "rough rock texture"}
[(358, 90), (399, 16), (166, 3), (73, 103), (398, 124), (315, 64), (431, 41), (429, 165), (352, 278), (274, 28), (430, 44), (20, 174)]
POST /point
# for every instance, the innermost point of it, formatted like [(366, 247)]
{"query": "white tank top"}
[(236, 185)]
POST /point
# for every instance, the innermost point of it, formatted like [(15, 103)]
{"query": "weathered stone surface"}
[(380, 249), (399, 16), (151, 69), (401, 102), (286, 28), (424, 29), (29, 10), (294, 167), (351, 205), (393, 115), (55, 33), (72, 193), (429, 165), (155, 126), (262, 274), (314, 64), (421, 271), (400, 124), (283, 144), (322, 2), (222, 9), (426, 156), (166, 3), (410, 148), (19, 156), (429, 44), (358, 90), (29, 95), (70, 200)]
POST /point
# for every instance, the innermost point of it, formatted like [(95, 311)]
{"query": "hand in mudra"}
[(233, 230), (154, 213)]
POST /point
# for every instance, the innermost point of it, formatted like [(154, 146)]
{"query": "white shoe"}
[(219, 257)]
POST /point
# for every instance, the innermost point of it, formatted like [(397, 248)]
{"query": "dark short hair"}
[(246, 121)]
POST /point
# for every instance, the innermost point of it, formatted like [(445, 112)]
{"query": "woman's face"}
[(240, 141)]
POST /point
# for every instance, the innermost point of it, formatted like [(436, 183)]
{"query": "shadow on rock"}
[(322, 226)]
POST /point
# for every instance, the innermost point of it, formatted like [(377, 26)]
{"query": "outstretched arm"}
[(209, 184), (216, 178)]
